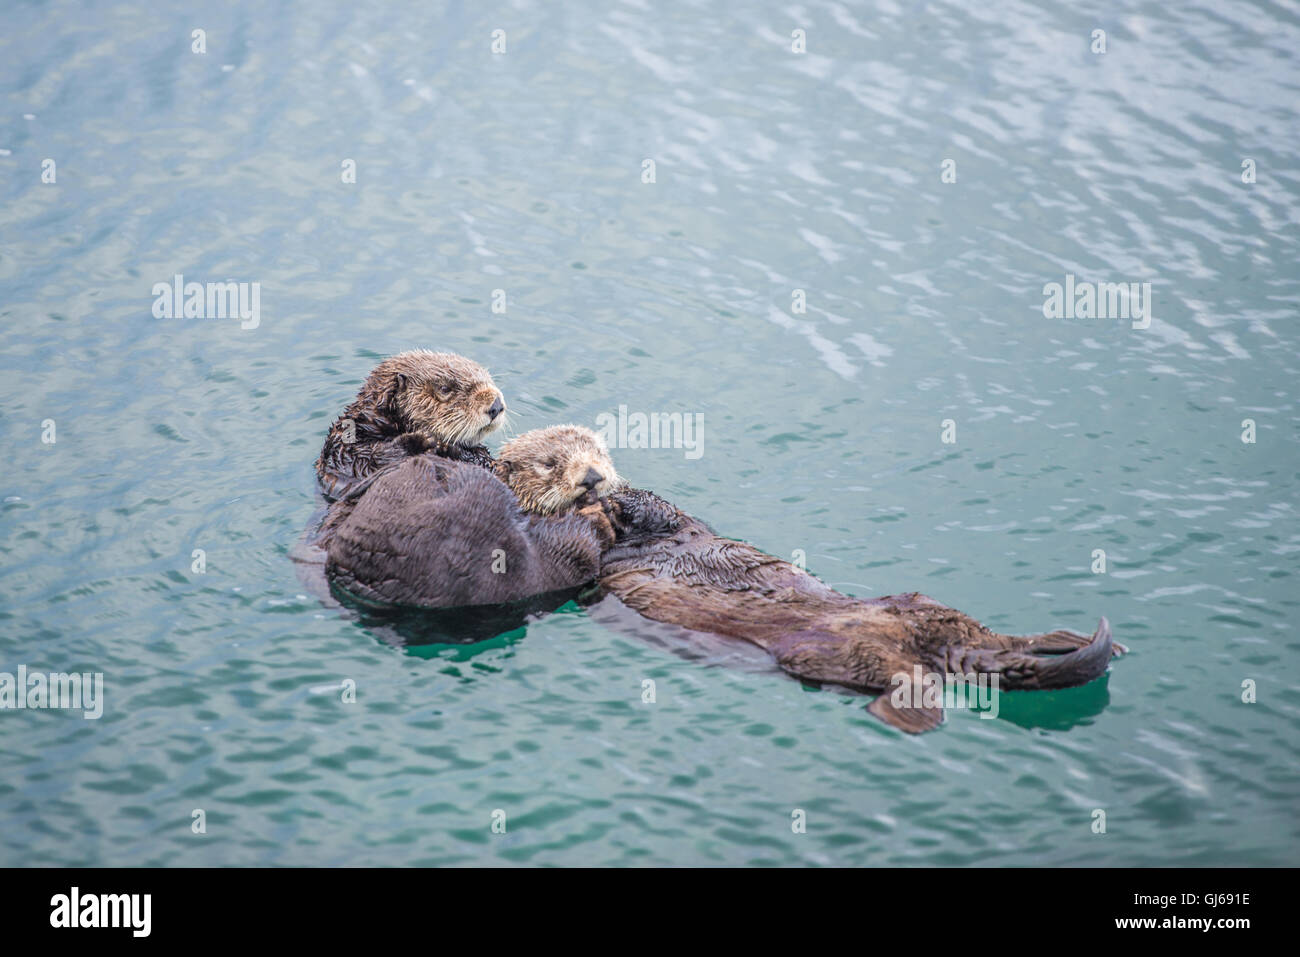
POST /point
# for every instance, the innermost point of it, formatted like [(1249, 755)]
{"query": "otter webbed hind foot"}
[(1060, 643), (913, 720), (1023, 670), (1046, 662)]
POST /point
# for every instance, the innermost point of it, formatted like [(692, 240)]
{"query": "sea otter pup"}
[(672, 568), (414, 402), (435, 533), (550, 469)]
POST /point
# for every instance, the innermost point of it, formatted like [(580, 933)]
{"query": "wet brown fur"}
[(411, 403), (547, 468), (672, 568), (439, 534)]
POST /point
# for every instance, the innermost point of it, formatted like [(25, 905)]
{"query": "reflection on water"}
[(412, 628)]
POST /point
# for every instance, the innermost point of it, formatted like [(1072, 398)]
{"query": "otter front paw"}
[(595, 514), (614, 513)]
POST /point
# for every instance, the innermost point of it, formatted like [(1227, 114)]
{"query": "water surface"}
[(774, 171)]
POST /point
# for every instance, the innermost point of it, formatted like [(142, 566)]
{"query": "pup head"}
[(557, 468)]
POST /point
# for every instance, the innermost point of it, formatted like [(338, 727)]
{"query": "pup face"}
[(445, 396), (558, 468)]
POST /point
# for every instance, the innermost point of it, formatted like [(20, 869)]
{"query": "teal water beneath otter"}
[(150, 542)]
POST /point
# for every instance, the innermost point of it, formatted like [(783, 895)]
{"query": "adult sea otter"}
[(672, 568), (413, 402)]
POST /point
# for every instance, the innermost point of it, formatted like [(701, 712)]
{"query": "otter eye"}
[(446, 389), (550, 463)]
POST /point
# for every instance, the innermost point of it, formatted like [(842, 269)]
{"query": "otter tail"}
[(1025, 671)]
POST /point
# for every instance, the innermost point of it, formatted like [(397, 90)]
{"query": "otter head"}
[(441, 395), (554, 469)]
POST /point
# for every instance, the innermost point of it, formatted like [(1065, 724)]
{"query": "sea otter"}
[(435, 533), (672, 568), (413, 402), (551, 469)]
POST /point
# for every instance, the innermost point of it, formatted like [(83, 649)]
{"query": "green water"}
[(774, 171)]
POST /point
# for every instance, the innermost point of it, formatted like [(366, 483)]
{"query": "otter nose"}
[(591, 479), (496, 408)]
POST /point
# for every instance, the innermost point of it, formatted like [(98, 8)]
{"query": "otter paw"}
[(595, 514), (613, 512)]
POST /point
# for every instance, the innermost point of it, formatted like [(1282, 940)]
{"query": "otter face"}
[(554, 469), (443, 395)]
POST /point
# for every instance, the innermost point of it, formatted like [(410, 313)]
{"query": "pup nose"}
[(496, 408), (591, 479)]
